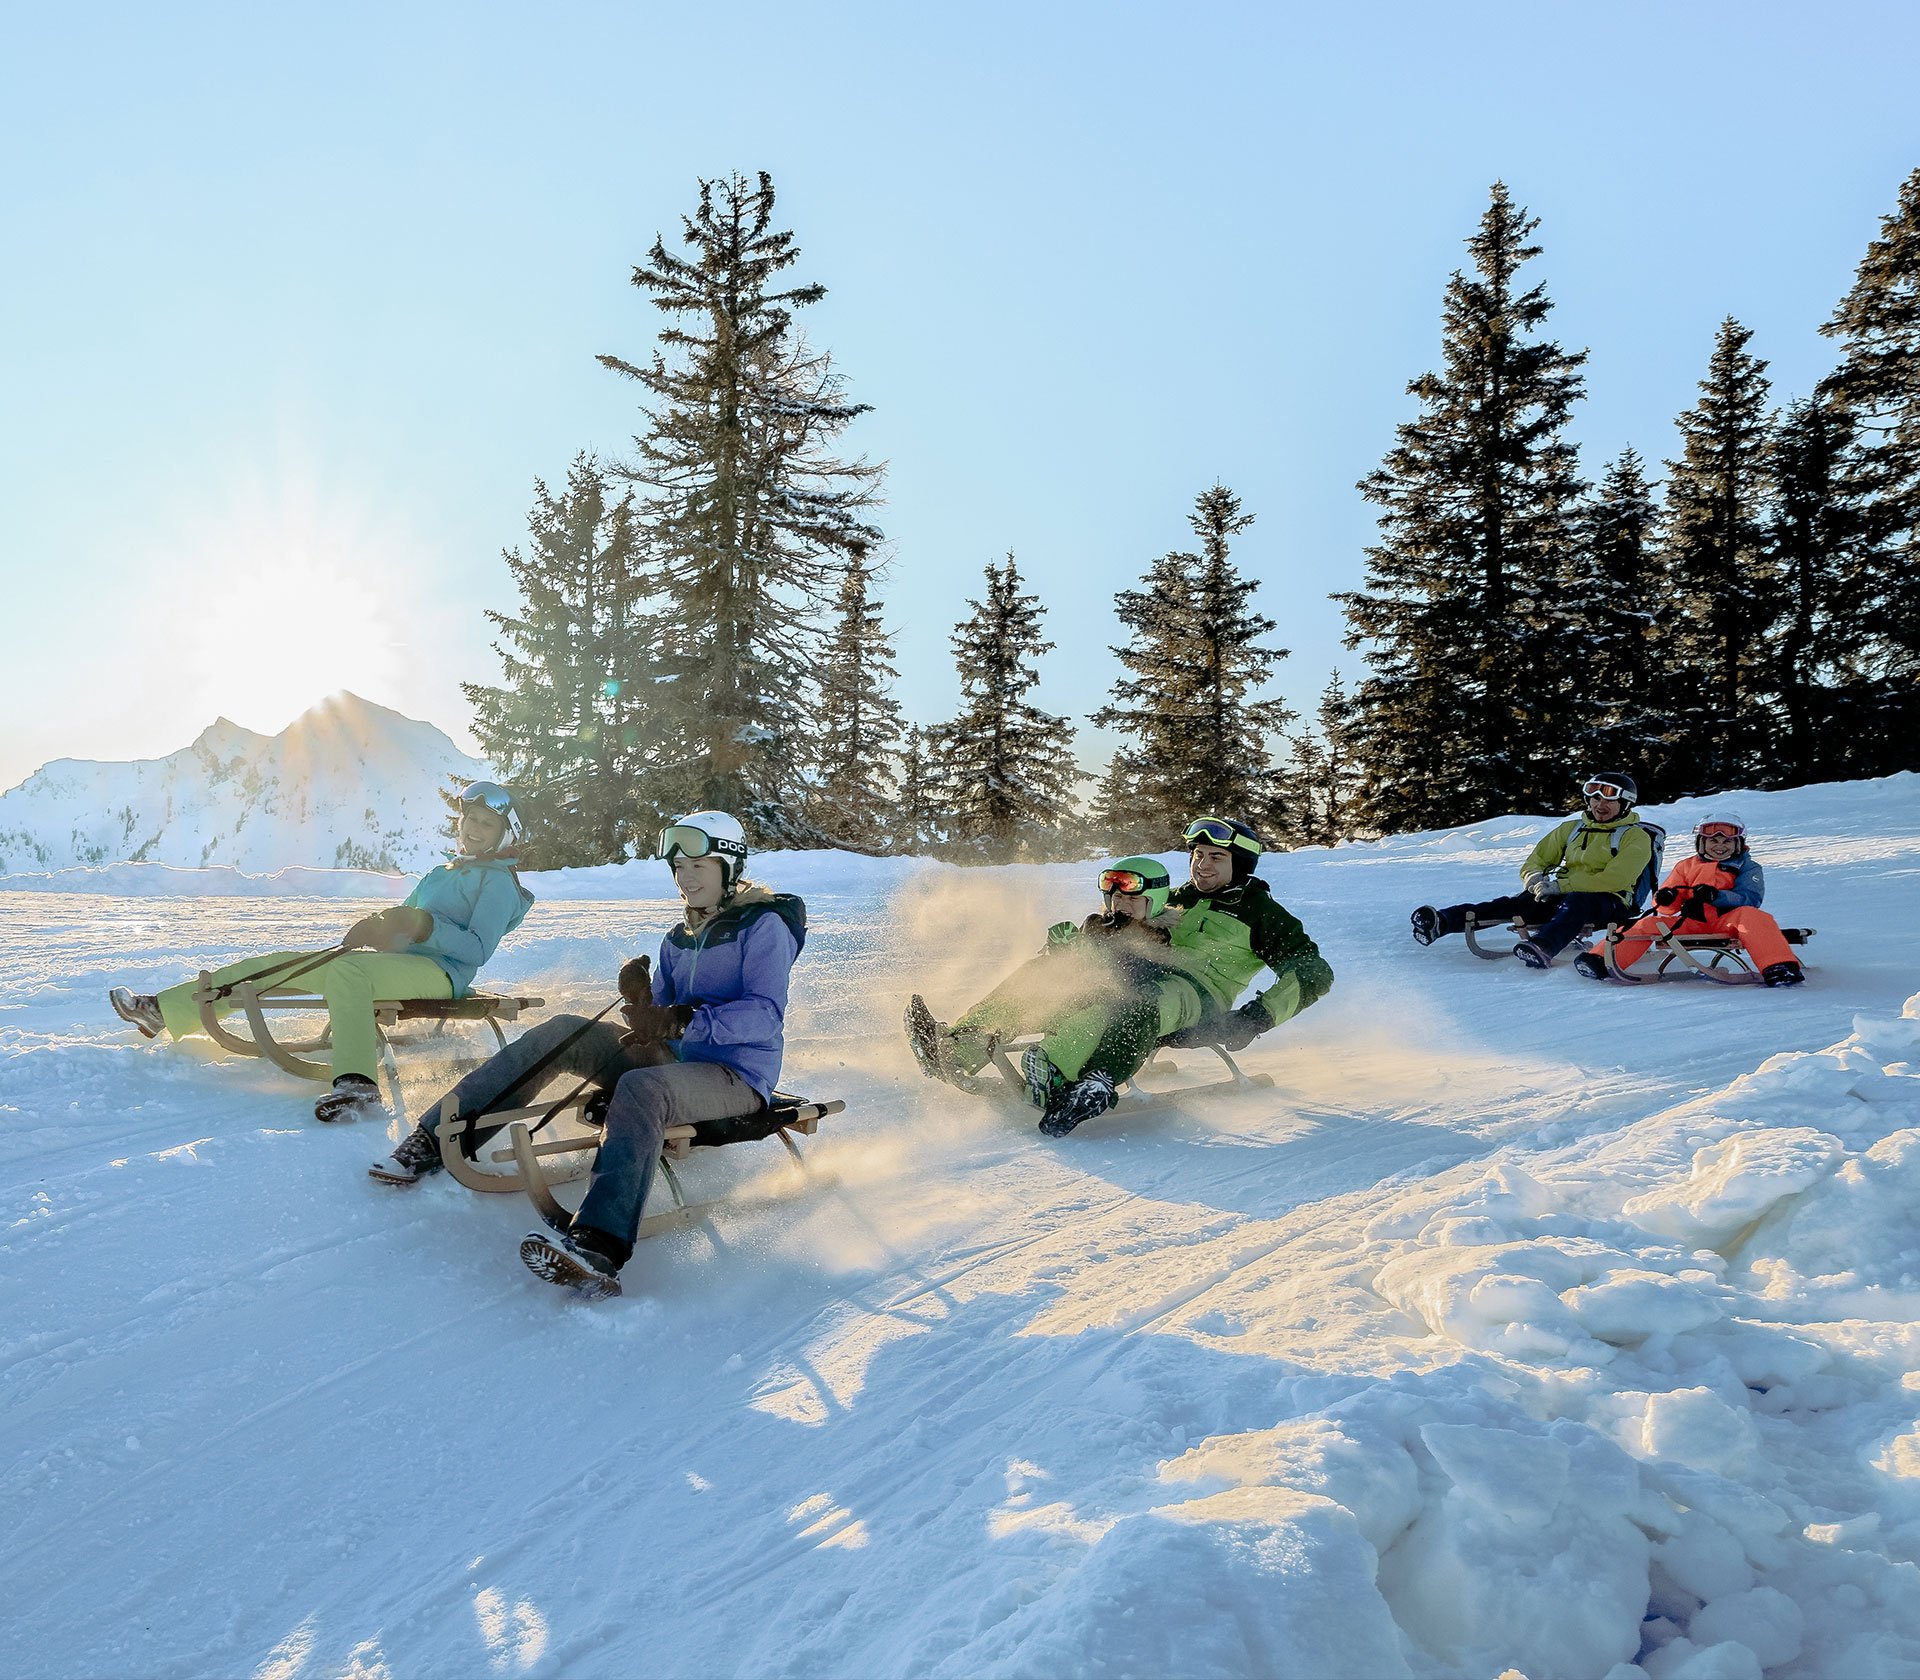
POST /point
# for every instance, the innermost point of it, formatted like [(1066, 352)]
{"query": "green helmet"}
[(1139, 875)]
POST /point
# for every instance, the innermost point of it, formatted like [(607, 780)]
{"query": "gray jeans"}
[(646, 1101)]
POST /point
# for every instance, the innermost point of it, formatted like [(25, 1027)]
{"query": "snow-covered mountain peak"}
[(347, 784)]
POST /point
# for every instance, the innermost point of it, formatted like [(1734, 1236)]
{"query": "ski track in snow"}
[(1525, 1322)]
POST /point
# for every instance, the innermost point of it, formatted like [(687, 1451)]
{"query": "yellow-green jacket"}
[(1224, 939), (1584, 856)]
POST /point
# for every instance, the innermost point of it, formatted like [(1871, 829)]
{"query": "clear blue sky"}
[(299, 301)]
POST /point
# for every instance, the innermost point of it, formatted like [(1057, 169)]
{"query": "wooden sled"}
[(1713, 956), (1135, 1094), (1519, 928), (292, 1055), (578, 1139)]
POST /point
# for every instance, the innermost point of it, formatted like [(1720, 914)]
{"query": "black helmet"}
[(1610, 784), (1232, 836)]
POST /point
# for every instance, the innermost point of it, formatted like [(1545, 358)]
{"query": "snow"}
[(1527, 1326), (346, 783)]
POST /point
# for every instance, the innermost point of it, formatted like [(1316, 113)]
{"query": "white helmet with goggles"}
[(707, 834), (1719, 824), (491, 796), (1610, 784)]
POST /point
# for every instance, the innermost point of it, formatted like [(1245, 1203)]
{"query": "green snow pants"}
[(1094, 1010), (350, 984)]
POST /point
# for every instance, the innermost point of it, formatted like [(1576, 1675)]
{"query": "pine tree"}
[(1323, 786), (569, 731), (1721, 595), (1462, 715), (1823, 556), (1197, 738), (917, 828), (753, 519), (1615, 562), (859, 722), (1004, 769), (1878, 384), (1120, 822)]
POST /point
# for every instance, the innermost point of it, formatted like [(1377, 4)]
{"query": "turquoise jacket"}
[(475, 903)]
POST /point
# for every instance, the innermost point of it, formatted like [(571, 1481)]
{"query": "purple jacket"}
[(734, 971)]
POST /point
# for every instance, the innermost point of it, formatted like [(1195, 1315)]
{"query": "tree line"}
[(699, 625)]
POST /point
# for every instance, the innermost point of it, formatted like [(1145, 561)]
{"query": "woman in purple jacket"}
[(704, 1047)]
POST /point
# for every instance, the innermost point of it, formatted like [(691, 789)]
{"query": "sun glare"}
[(289, 598)]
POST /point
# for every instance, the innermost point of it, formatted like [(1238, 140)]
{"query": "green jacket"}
[(1580, 855), (1224, 939)]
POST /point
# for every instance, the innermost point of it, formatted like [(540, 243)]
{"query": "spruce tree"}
[(1120, 822), (1324, 787), (1878, 384), (1721, 595), (859, 722), (1617, 686), (1004, 769), (1197, 738), (570, 731), (752, 517), (1463, 714), (917, 828)]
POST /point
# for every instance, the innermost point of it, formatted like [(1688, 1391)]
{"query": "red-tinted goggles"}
[(1604, 790), (1122, 881)]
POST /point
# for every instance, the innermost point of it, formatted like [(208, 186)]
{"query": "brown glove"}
[(389, 930), (650, 1023)]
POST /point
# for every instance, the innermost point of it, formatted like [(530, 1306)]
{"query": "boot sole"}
[(552, 1264)]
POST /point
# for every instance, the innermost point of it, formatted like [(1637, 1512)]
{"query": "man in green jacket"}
[(1586, 872)]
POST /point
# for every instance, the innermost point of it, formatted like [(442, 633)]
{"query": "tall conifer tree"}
[(1199, 739), (1463, 712), (1615, 575), (1721, 597), (753, 518), (1878, 383), (859, 722), (1324, 787), (570, 730), (916, 825), (1004, 769)]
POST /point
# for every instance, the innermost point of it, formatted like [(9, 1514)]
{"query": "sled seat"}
[(578, 1129), (293, 1055), (1713, 956)]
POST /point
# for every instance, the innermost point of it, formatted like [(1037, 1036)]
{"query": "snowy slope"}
[(346, 784), (1526, 1323)]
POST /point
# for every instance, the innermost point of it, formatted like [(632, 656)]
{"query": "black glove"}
[(1698, 905), (1666, 895), (652, 1023), (1243, 1026), (636, 980)]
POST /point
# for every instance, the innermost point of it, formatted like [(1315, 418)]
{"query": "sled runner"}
[(578, 1130), (1714, 956), (292, 1055), (1136, 1094), (1519, 928)]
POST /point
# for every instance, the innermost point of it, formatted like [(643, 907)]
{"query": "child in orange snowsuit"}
[(1717, 890)]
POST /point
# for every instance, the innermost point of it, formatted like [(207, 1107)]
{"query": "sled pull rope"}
[(297, 964), (468, 1146)]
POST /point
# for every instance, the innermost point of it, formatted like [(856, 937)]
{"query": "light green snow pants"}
[(350, 984)]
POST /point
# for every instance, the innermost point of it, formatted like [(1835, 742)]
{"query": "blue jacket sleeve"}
[(467, 929), (766, 965), (1749, 887)]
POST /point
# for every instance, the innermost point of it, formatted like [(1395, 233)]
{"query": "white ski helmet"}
[(1720, 820), (491, 796), (707, 834)]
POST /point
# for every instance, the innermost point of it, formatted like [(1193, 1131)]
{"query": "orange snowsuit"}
[(1759, 934)]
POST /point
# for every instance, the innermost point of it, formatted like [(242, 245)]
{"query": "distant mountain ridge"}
[(346, 785)]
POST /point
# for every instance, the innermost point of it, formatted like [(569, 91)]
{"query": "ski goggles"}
[(1720, 831), (1217, 831), (490, 796), (678, 840), (1595, 789), (1122, 881)]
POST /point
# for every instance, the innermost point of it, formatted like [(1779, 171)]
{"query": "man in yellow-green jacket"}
[(1588, 871)]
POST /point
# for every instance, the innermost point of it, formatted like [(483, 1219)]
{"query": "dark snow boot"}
[(570, 1260), (1594, 968), (354, 1097), (1782, 974), (1426, 925), (932, 1046), (417, 1155), (1043, 1078), (1533, 955), (1086, 1098), (138, 1009)]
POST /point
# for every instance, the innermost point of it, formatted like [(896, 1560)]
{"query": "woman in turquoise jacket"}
[(429, 947)]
